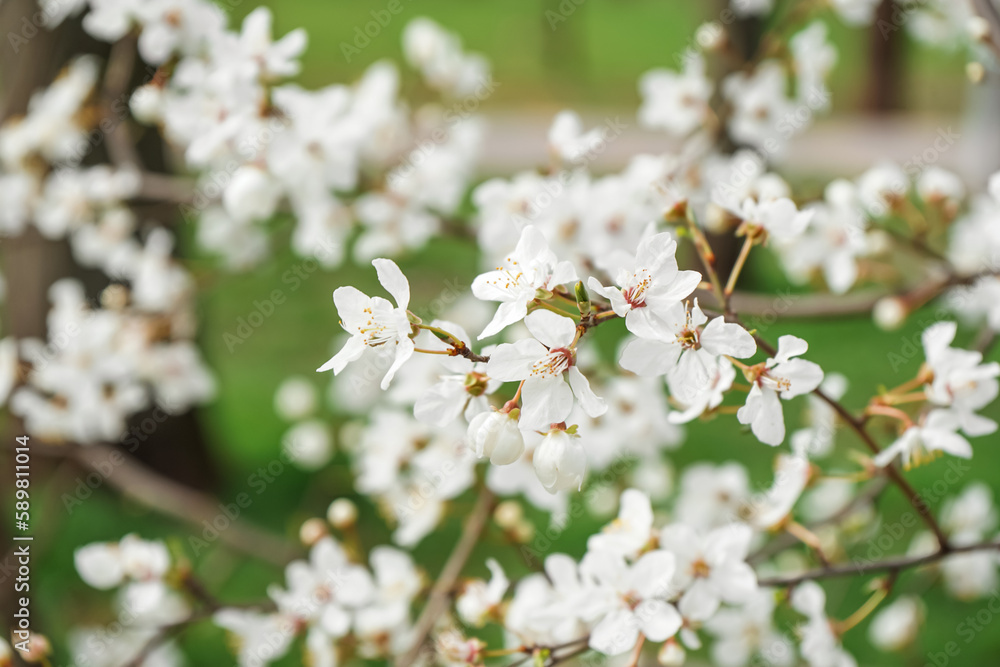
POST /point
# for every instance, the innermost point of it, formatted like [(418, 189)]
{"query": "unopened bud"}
[(114, 297), (312, 531), (978, 28), (710, 36), (507, 514), (671, 654), (975, 72), (523, 532), (39, 649), (890, 313), (582, 297), (342, 514)]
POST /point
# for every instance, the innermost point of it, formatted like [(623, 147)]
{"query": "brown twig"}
[(172, 499), (888, 565), (117, 76), (784, 541), (437, 602), (858, 426), (791, 305)]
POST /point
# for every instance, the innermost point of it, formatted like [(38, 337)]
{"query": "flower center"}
[(556, 362), (700, 569), (635, 296)]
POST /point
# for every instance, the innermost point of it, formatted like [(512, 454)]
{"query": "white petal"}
[(700, 601), (788, 347), (735, 582), (352, 351), (679, 288), (617, 633), (551, 329), (335, 621), (763, 412), (649, 357), (591, 403), (652, 573), (657, 253), (507, 313), (393, 280), (658, 620), (404, 350), (513, 361), (730, 542), (612, 294), (545, 401), (727, 338), (803, 376)]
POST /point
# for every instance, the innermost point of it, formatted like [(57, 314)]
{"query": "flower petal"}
[(545, 401), (658, 620), (591, 403), (720, 337), (551, 329), (393, 280), (513, 361), (616, 634)]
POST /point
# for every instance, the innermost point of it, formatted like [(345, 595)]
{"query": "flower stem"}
[(863, 612), (738, 267), (893, 413), (705, 253)]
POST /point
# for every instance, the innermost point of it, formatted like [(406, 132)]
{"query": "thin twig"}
[(172, 498), (858, 426), (117, 76), (784, 540), (437, 602), (889, 564)]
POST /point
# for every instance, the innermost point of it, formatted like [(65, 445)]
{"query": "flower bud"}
[(978, 29), (710, 36), (312, 531), (507, 514), (560, 462), (523, 531), (671, 654), (308, 444), (890, 313), (975, 72), (146, 103), (342, 514), (252, 194), (582, 297), (295, 399), (495, 435), (39, 649)]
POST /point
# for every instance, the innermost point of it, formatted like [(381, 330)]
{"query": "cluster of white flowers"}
[(332, 601), (101, 365), (513, 374), (146, 603), (958, 384)]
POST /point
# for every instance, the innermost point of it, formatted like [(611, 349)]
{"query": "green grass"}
[(592, 58)]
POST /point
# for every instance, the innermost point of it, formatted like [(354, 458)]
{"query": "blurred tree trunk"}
[(745, 37), (885, 53)]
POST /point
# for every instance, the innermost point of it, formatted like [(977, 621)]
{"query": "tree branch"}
[(890, 470), (172, 499), (437, 603), (888, 565)]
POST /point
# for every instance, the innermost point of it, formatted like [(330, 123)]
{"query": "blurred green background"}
[(591, 61)]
